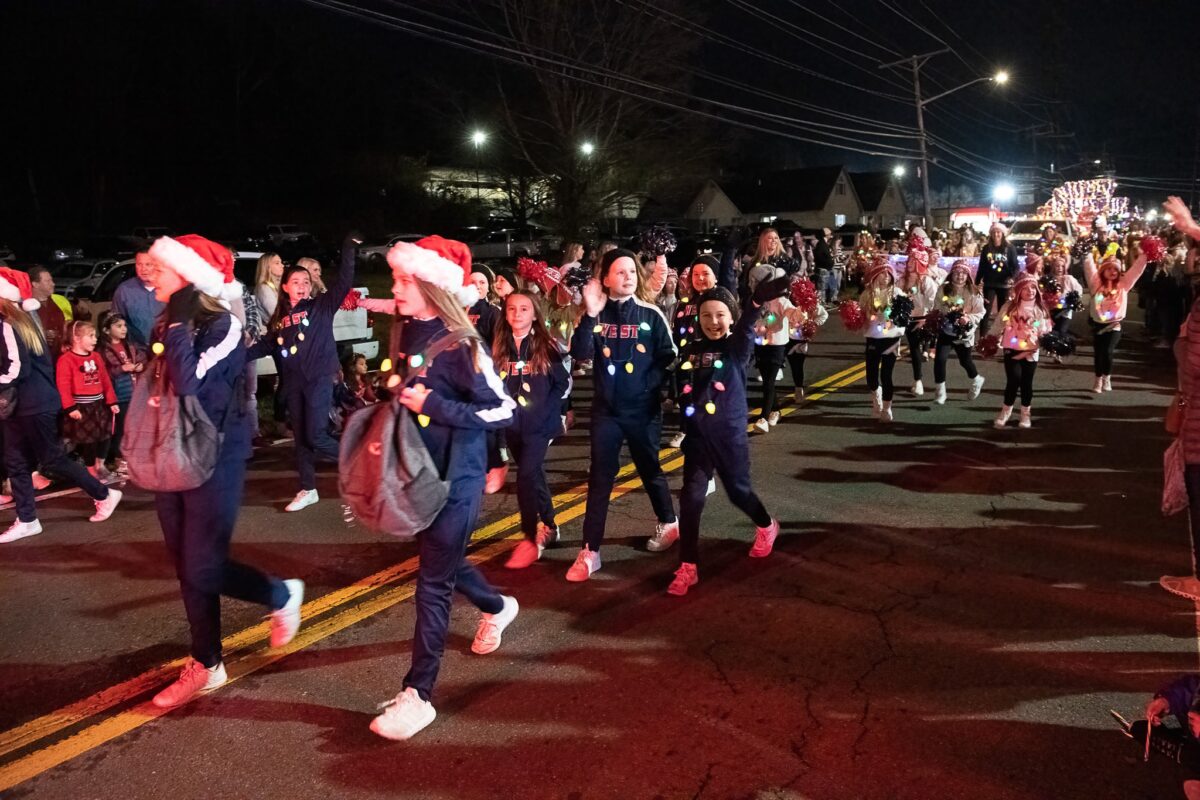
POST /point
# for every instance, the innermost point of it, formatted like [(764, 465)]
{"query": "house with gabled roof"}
[(883, 204)]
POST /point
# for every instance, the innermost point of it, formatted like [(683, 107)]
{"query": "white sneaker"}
[(876, 402), (39, 482), (1026, 417), (286, 621), (885, 413), (1108, 383), (585, 564), (404, 717), (976, 387), (1098, 386), (918, 389), (762, 425), (195, 679), (939, 395), (19, 530), (773, 418), (304, 499), (1002, 417), (106, 507), (491, 626), (677, 439), (665, 535)]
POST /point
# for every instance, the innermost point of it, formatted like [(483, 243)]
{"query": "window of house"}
[(839, 220)]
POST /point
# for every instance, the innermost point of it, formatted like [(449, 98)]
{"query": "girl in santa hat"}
[(300, 336), (31, 428), (1110, 302), (962, 309), (1025, 322), (917, 284), (713, 367), (533, 372), (201, 346), (882, 337), (457, 398), (632, 350)]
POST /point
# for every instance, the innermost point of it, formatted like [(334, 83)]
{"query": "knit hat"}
[(998, 226), (485, 271), (721, 295), (1022, 279), (611, 256), (709, 261), (879, 266), (508, 275), (961, 264), (445, 263), (16, 286), (201, 262)]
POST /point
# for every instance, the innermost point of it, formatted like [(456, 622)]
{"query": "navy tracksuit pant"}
[(442, 549), (197, 526), (729, 457), (608, 434), (308, 411), (33, 440), (528, 450)]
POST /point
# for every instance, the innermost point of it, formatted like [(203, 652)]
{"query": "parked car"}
[(71, 276), (48, 251), (375, 255), (527, 240), (282, 234), (1026, 231)]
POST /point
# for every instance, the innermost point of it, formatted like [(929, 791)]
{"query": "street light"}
[(587, 148), (898, 170), (915, 63), (477, 138), (1004, 192)]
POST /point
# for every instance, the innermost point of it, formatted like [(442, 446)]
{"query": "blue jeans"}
[(607, 435), (728, 458), (308, 410)]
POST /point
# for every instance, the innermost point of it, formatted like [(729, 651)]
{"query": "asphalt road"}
[(949, 612)]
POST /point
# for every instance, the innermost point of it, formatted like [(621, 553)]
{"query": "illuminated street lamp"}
[(587, 148), (478, 138), (898, 170), (1004, 192)]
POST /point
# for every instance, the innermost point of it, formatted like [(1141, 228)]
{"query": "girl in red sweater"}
[(88, 397)]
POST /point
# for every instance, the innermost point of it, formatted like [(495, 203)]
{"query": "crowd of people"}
[(485, 360)]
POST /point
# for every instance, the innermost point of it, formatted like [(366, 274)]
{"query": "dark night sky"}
[(173, 108)]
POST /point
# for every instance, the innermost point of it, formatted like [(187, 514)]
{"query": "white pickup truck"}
[(352, 330)]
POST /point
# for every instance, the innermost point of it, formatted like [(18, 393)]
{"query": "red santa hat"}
[(444, 263), (15, 286), (203, 263)]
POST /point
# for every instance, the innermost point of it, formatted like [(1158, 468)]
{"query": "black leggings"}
[(1019, 374), (796, 362), (944, 345), (1105, 346), (769, 360), (1000, 295), (90, 451), (881, 360), (916, 350)]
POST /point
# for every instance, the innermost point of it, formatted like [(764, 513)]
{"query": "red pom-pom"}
[(852, 315), (804, 295), (989, 345), (808, 330), (1153, 248), (530, 270), (351, 301)]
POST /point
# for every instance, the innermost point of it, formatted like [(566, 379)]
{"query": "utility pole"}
[(915, 63)]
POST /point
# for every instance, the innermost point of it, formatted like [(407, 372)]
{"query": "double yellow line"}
[(55, 738)]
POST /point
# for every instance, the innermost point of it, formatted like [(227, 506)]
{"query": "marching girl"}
[(458, 397), (632, 351), (533, 372), (484, 314), (89, 400), (202, 346), (1025, 321), (779, 329), (300, 336), (922, 289), (958, 295), (882, 337), (713, 367), (31, 433), (1110, 302), (1061, 314), (797, 344)]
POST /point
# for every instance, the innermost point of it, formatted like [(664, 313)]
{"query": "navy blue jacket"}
[(539, 406), (33, 375), (484, 316), (686, 325), (712, 374), (467, 399), (302, 342), (631, 351), (206, 361)]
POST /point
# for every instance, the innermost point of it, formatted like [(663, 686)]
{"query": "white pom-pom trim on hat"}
[(10, 292), (189, 265), (430, 267)]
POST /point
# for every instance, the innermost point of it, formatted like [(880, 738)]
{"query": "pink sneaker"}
[(523, 555), (764, 540), (685, 578), (585, 564)]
